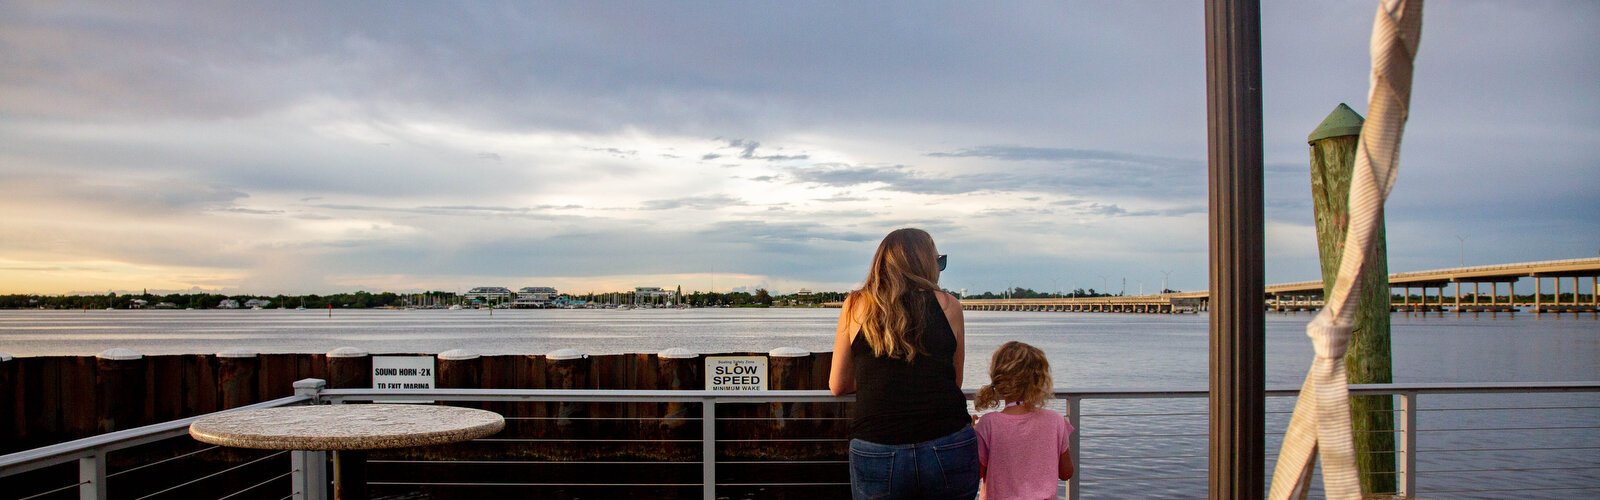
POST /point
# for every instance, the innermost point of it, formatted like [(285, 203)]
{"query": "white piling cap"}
[(119, 354), (5, 356), (789, 352), (237, 352), (346, 352), (677, 353), (458, 355), (564, 354)]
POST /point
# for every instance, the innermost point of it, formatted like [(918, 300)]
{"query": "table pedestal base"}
[(350, 475)]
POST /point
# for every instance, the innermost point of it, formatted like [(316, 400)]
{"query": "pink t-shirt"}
[(1022, 453)]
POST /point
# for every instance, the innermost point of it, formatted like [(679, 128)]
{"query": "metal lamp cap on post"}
[(565, 354), (788, 352), (347, 352), (459, 355), (677, 353), (1341, 122), (119, 354)]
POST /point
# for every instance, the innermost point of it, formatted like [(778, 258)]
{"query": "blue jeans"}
[(945, 467)]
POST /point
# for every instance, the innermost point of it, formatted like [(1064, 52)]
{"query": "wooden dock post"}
[(568, 369), (10, 400), (458, 369), (1368, 360), (119, 393), (677, 369), (237, 371), (348, 368), (789, 368)]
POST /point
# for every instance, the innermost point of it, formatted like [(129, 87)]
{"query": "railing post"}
[(708, 447), (311, 387), (1405, 476), (92, 476), (1073, 405), (309, 474), (309, 469)]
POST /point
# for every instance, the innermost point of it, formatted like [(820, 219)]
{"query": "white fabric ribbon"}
[(1320, 426)]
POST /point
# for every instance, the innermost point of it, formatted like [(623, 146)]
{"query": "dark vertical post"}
[(119, 389), (460, 369), (1233, 131), (10, 404), (236, 374), (568, 369), (349, 368), (788, 369), (350, 475), (678, 370)]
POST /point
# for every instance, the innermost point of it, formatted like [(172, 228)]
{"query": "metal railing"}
[(1107, 448)]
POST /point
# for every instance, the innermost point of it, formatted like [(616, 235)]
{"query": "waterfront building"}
[(488, 294), (254, 303), (228, 304), (535, 296), (649, 296)]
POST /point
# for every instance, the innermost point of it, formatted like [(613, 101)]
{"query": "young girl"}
[(1022, 449)]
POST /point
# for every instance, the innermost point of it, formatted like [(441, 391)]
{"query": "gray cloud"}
[(184, 109), (249, 211), (1088, 178), (1030, 153), (707, 202), (538, 213)]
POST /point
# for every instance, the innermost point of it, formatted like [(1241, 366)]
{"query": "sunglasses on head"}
[(942, 260)]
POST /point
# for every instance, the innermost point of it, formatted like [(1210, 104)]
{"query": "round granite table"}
[(348, 430)]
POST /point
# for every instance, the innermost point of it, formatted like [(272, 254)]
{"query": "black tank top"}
[(904, 403)]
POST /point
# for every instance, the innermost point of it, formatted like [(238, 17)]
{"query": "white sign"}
[(736, 373), (402, 372)]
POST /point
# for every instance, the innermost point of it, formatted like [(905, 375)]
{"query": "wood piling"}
[(349, 368), (119, 380), (237, 377), (1368, 360)]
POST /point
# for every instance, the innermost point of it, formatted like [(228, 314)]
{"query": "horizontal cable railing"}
[(1477, 440)]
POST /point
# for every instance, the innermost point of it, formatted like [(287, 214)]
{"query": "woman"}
[(899, 346)]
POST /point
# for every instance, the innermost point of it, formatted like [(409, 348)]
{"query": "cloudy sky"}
[(281, 147)]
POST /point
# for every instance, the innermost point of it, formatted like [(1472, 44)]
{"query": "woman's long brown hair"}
[(892, 310)]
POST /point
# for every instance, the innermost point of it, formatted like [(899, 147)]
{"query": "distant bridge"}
[(1307, 295)]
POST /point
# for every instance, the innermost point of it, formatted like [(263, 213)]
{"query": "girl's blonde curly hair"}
[(1018, 372)]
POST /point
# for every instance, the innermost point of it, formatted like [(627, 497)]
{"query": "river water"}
[(1086, 350)]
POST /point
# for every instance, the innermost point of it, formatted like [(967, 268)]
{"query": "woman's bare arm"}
[(842, 376), (952, 314)]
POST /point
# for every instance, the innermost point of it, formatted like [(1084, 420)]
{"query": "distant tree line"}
[(761, 297), (202, 300), (1029, 293), (366, 300)]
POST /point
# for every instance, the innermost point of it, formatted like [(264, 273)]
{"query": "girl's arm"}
[(842, 376), (952, 314)]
